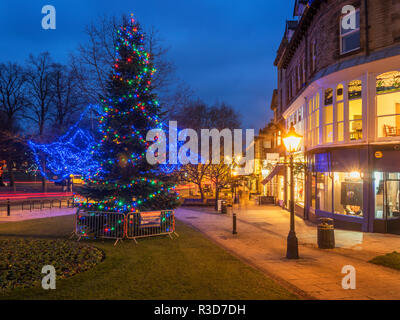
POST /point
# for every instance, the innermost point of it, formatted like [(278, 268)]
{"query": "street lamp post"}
[(292, 141)]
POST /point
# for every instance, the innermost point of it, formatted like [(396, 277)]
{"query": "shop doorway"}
[(387, 202)]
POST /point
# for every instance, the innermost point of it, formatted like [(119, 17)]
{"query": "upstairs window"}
[(339, 113), (328, 116), (388, 104), (350, 37), (355, 110)]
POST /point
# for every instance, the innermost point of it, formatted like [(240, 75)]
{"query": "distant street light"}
[(292, 142)]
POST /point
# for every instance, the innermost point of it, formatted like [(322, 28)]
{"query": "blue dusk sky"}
[(223, 49)]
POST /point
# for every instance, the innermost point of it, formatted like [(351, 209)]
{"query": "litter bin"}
[(224, 205), (326, 234)]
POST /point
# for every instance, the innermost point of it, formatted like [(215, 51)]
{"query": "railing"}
[(7, 207)]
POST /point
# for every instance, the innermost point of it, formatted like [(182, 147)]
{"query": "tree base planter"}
[(119, 226)]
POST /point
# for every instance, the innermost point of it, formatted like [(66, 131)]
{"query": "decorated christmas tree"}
[(125, 181)]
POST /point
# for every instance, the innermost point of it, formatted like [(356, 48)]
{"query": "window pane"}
[(328, 96), (346, 19), (388, 104), (339, 92), (324, 192), (328, 116), (340, 112), (355, 89), (351, 42), (328, 133), (389, 126), (340, 131), (379, 191), (348, 193), (388, 82), (355, 109)]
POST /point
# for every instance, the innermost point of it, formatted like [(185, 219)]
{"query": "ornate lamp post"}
[(292, 142)]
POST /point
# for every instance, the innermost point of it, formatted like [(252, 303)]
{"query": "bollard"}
[(8, 208), (234, 231)]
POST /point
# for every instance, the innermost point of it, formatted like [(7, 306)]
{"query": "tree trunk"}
[(201, 193), (216, 198)]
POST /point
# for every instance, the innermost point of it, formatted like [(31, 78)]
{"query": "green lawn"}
[(390, 260), (189, 267)]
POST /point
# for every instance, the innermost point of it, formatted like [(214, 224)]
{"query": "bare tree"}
[(40, 80), (195, 174), (94, 60), (12, 94), (40, 75), (197, 115), (220, 176), (67, 99)]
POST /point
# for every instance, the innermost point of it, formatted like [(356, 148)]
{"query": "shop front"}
[(358, 188), (338, 185)]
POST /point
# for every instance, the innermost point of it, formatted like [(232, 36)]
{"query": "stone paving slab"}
[(318, 273)]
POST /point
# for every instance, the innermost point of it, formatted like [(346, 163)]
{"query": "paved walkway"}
[(261, 241), (35, 214)]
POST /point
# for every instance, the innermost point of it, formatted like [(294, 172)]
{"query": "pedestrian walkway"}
[(261, 241), (22, 215)]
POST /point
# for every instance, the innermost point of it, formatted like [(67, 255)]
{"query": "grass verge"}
[(390, 260), (189, 267)]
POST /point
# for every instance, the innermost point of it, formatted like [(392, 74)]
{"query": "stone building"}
[(339, 84)]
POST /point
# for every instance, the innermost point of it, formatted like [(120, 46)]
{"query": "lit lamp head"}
[(292, 140)]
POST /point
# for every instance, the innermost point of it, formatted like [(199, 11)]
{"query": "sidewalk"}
[(261, 241), (35, 214)]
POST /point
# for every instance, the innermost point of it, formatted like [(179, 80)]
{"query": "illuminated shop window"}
[(348, 193), (328, 116), (355, 110), (324, 191), (338, 192), (388, 104), (387, 195)]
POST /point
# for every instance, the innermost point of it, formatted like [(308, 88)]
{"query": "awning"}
[(278, 169)]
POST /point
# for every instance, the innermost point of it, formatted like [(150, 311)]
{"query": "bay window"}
[(388, 104)]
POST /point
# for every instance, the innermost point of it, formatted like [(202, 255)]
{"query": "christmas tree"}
[(125, 181)]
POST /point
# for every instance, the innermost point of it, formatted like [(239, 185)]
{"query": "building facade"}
[(339, 85)]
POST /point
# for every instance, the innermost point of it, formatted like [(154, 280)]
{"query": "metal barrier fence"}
[(105, 225), (147, 224), (111, 225), (7, 207)]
